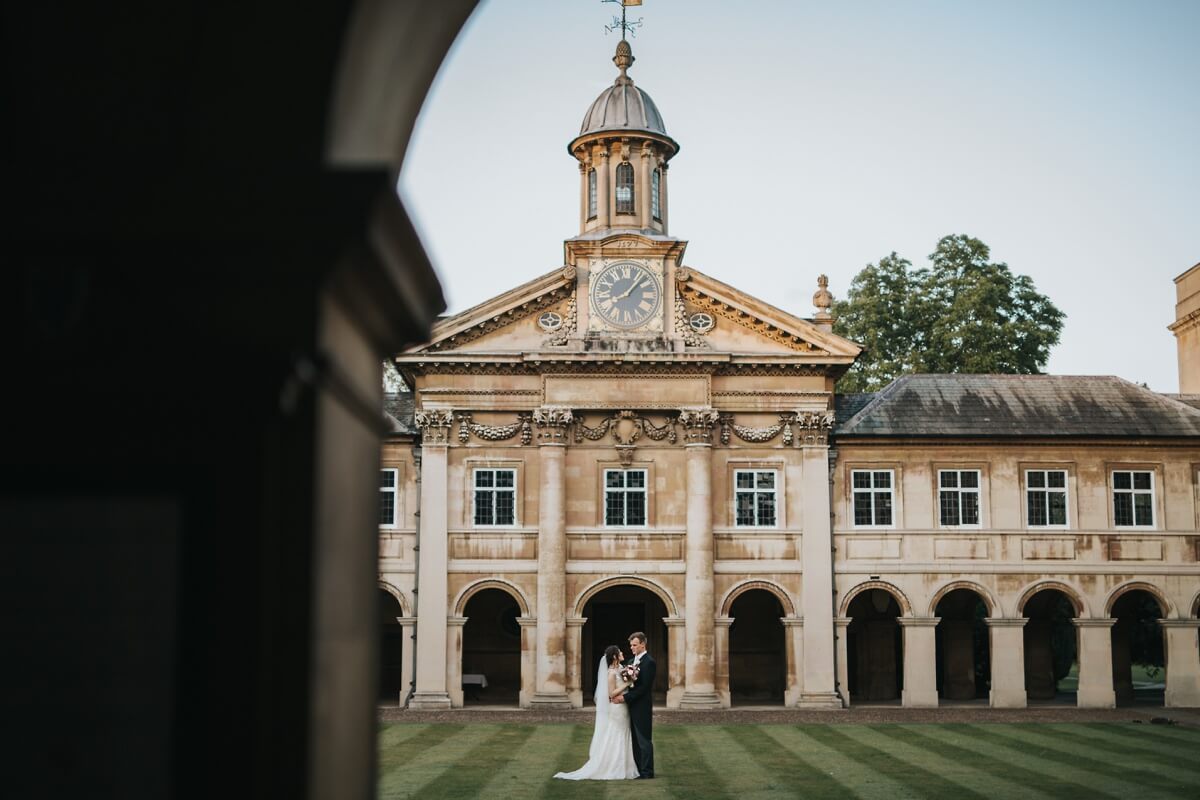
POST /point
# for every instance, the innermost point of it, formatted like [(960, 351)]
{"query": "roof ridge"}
[(880, 397)]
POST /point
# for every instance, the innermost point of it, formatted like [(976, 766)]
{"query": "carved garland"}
[(641, 425), (495, 433), (691, 336), (568, 327), (757, 435)]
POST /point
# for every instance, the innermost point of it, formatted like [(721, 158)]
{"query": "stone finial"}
[(823, 298), (623, 59)]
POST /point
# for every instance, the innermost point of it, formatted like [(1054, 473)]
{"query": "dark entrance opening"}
[(874, 648), (1139, 663), (964, 669), (491, 660), (614, 613), (391, 650), (757, 659), (1051, 666)]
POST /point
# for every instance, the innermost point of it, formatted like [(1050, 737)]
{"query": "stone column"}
[(843, 664), (1183, 662), (433, 604), (699, 678), (920, 662), (574, 656), (1095, 663), (583, 196), (676, 645), (721, 649), (662, 195), (407, 627), (793, 642), (816, 545), (644, 168), (551, 687), (1007, 646), (528, 660), (603, 195), (454, 670)]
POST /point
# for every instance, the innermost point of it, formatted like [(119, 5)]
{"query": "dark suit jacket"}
[(640, 695)]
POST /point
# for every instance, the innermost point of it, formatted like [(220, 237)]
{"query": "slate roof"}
[(1192, 400), (1020, 405), (847, 405), (398, 412)]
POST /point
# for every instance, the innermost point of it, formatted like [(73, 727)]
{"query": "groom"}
[(640, 698)]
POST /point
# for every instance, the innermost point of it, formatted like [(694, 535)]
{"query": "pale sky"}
[(818, 137)]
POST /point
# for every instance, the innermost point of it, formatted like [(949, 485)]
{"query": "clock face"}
[(625, 294)]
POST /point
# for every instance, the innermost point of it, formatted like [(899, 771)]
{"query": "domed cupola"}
[(623, 149)]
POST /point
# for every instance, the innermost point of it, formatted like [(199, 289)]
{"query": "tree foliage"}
[(962, 313)]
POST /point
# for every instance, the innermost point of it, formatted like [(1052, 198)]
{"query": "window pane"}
[(766, 509), (968, 479), (655, 181), (1143, 513), (1037, 480), (387, 508), (591, 193), (1122, 509), (1121, 480), (1037, 508), (949, 479), (862, 480), (949, 508), (970, 508), (483, 477), (1056, 479), (1058, 508), (766, 480), (883, 508), (1141, 480), (624, 188), (614, 478), (745, 480), (504, 477), (387, 478), (862, 508), (483, 508), (635, 478), (635, 512), (744, 504), (883, 480), (504, 508), (614, 508)]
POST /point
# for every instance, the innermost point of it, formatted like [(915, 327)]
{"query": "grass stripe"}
[(1135, 780), (424, 758), (1009, 771), (410, 750), (792, 772), (393, 736), (571, 757), (1092, 737), (842, 767), (530, 764), (1188, 738), (1057, 738), (920, 781), (683, 765), (474, 767)]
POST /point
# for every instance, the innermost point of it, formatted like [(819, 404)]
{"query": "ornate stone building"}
[(625, 443)]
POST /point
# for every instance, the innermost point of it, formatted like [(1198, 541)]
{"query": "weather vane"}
[(620, 23)]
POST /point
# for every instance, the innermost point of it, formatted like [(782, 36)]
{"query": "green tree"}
[(962, 313)]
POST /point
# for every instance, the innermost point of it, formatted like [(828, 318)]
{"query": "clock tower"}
[(624, 258)]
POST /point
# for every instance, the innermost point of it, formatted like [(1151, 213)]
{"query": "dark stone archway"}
[(874, 647), (1050, 646), (1139, 660), (391, 650), (492, 648), (963, 648), (757, 654), (614, 613)]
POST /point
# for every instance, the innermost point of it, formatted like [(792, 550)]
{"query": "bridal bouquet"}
[(629, 673)]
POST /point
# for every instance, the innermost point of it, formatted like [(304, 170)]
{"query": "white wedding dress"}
[(610, 758)]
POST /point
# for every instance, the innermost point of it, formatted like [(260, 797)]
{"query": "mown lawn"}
[(971, 762)]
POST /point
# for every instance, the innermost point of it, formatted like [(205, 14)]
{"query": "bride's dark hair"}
[(611, 653)]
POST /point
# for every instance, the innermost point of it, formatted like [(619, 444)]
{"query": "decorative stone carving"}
[(757, 435), (434, 424), (552, 424), (503, 318), (692, 336), (746, 320), (814, 427), (626, 428), (822, 298), (568, 272), (567, 326), (698, 424), (494, 433)]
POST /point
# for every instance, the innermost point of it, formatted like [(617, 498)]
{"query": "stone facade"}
[(1187, 329)]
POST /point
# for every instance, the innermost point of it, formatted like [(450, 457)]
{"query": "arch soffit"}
[(989, 600), (472, 589), (405, 609), (596, 587), (892, 589), (1164, 602), (1074, 595), (785, 600)]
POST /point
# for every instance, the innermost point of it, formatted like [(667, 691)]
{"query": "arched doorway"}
[(964, 669), (1139, 660), (1051, 661), (757, 658), (874, 647), (614, 613), (491, 650), (391, 650)]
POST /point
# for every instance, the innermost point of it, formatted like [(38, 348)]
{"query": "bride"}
[(610, 758)]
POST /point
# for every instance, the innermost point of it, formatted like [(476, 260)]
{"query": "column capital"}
[(455, 622), (552, 423), (792, 622), (406, 621), (527, 622), (576, 622), (1005, 622), (842, 622), (675, 622), (1088, 622), (722, 622), (1180, 623), (434, 424), (698, 424), (918, 622), (813, 428)]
